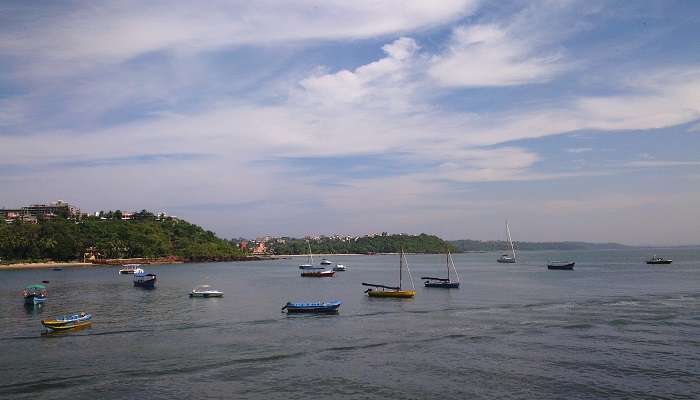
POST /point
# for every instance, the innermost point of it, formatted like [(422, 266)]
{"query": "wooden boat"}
[(393, 291), (318, 274), (205, 291), (73, 321), (659, 260), (144, 280), (445, 283), (561, 265), (310, 260), (129, 268), (506, 258), (317, 308), (35, 294)]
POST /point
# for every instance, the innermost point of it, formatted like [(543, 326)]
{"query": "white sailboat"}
[(508, 258), (310, 260)]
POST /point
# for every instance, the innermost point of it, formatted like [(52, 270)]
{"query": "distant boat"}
[(393, 291), (310, 260), (144, 280), (58, 269), (205, 291), (340, 267), (35, 294), (561, 265), (658, 260), (506, 258), (318, 274), (317, 308), (129, 268), (74, 321), (445, 283), (326, 262)]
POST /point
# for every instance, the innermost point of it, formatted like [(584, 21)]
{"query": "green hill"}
[(384, 243), (145, 236)]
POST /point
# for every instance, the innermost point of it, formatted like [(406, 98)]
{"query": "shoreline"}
[(48, 264)]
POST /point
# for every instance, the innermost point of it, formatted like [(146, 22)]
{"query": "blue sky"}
[(576, 120)]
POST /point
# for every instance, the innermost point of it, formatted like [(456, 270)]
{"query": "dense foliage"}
[(146, 236), (384, 243), (498, 245)]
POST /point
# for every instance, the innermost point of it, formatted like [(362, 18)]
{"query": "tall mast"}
[(400, 267), (447, 264), (311, 256), (512, 249)]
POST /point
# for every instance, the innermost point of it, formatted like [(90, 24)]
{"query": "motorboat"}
[(659, 260), (444, 283), (129, 268), (144, 280), (340, 267), (326, 262), (318, 274), (561, 265), (393, 291), (73, 321), (317, 308), (35, 294), (205, 291), (506, 259)]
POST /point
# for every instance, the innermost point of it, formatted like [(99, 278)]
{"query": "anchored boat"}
[(508, 258), (309, 261), (318, 274), (73, 321), (206, 291), (317, 308), (393, 291), (35, 294), (144, 280), (326, 262), (659, 260), (445, 283), (561, 265), (340, 267), (129, 268)]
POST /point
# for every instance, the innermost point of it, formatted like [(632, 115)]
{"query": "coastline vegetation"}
[(384, 243)]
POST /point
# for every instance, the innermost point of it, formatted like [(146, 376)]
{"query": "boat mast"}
[(453, 265), (311, 256), (512, 249), (447, 264), (400, 267)]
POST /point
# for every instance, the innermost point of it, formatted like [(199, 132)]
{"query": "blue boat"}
[(317, 308), (35, 294), (144, 280)]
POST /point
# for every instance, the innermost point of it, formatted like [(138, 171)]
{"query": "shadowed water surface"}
[(613, 328)]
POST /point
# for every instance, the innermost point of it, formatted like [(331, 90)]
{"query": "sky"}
[(574, 120)]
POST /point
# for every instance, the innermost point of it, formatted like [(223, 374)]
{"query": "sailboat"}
[(445, 283), (505, 258), (310, 260), (393, 291)]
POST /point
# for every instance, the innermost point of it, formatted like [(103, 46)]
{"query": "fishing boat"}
[(659, 260), (35, 294), (129, 268), (326, 262), (340, 267), (317, 308), (393, 291), (561, 265), (309, 261), (206, 291), (144, 280), (318, 274), (508, 258), (445, 283), (73, 321)]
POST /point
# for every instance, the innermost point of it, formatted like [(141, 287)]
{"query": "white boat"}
[(310, 261), (508, 258), (129, 268), (326, 262), (340, 267), (205, 291)]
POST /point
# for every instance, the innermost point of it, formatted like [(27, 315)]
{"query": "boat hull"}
[(206, 295), (32, 299), (318, 274), (312, 308), (397, 294), (443, 285), (664, 262), (83, 321), (506, 261), (148, 282), (562, 267)]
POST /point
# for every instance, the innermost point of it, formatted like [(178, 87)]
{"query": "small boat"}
[(58, 269), (205, 291), (561, 265), (318, 274), (35, 294), (340, 267), (310, 260), (326, 262), (73, 321), (129, 268), (317, 308), (445, 283), (144, 280), (508, 258), (659, 260), (44, 281), (393, 291)]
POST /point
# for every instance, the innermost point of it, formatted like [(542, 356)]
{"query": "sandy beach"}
[(49, 264)]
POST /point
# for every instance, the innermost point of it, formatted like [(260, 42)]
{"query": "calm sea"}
[(613, 328)]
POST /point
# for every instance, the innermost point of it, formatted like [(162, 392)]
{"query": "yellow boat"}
[(74, 321), (395, 292)]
